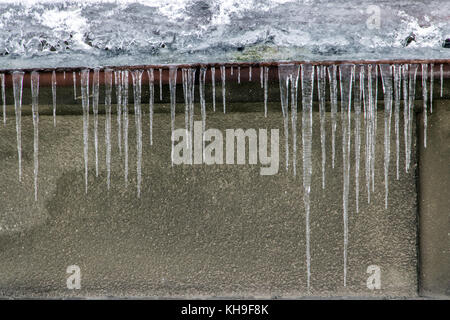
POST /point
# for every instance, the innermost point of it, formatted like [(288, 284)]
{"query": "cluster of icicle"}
[(358, 85)]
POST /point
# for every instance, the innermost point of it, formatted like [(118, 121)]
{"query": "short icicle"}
[(250, 73), (17, 78), (346, 73), (2, 80), (151, 90), (173, 103), (333, 99), (95, 97), (222, 74), (74, 77), (321, 85), (307, 79), (118, 87), (85, 103), (54, 97), (412, 94), (137, 88), (35, 111), (108, 90), (239, 75), (386, 77)]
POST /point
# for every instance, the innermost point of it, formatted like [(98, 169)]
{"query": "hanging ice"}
[(222, 74), (386, 76), (346, 73), (425, 101), (266, 85), (321, 83), (151, 90), (17, 78), (431, 86), (201, 82), (118, 83), (359, 76), (239, 75), (160, 84), (333, 100), (125, 122), (137, 81), (442, 78), (95, 95), (74, 77), (307, 96), (405, 79), (108, 90), (2, 80), (54, 97), (412, 94), (85, 103), (213, 84), (397, 97), (173, 102), (35, 111), (261, 75), (250, 73)]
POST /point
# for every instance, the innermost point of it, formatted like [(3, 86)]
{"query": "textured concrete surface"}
[(199, 230), (434, 204)]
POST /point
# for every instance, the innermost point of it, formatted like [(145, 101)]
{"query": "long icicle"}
[(405, 79), (201, 81), (160, 84), (333, 99), (151, 90), (108, 90), (412, 94), (293, 78), (321, 85), (74, 78), (442, 78), (213, 84), (374, 123), (367, 125), (359, 74), (95, 97), (346, 73), (2, 80), (386, 77), (397, 97), (125, 122), (137, 82), (222, 74), (266, 85), (118, 87), (54, 97), (307, 79), (431, 86), (85, 103), (35, 111), (17, 78), (173, 103), (425, 101)]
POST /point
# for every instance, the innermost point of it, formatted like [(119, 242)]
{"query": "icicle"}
[(184, 81), (250, 73), (222, 73), (95, 94), (286, 72), (333, 99), (188, 89), (125, 122), (405, 111), (231, 70), (442, 78), (321, 83), (307, 96), (213, 82), (2, 79), (85, 103), (261, 76), (359, 76), (293, 78), (173, 102), (74, 77), (412, 94), (17, 78), (431, 86), (386, 77), (151, 90), (346, 73), (397, 97), (201, 82), (266, 88), (374, 125), (54, 97), (425, 101), (118, 83), (160, 84), (108, 90), (64, 75), (35, 111), (137, 81), (239, 75), (366, 97)]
